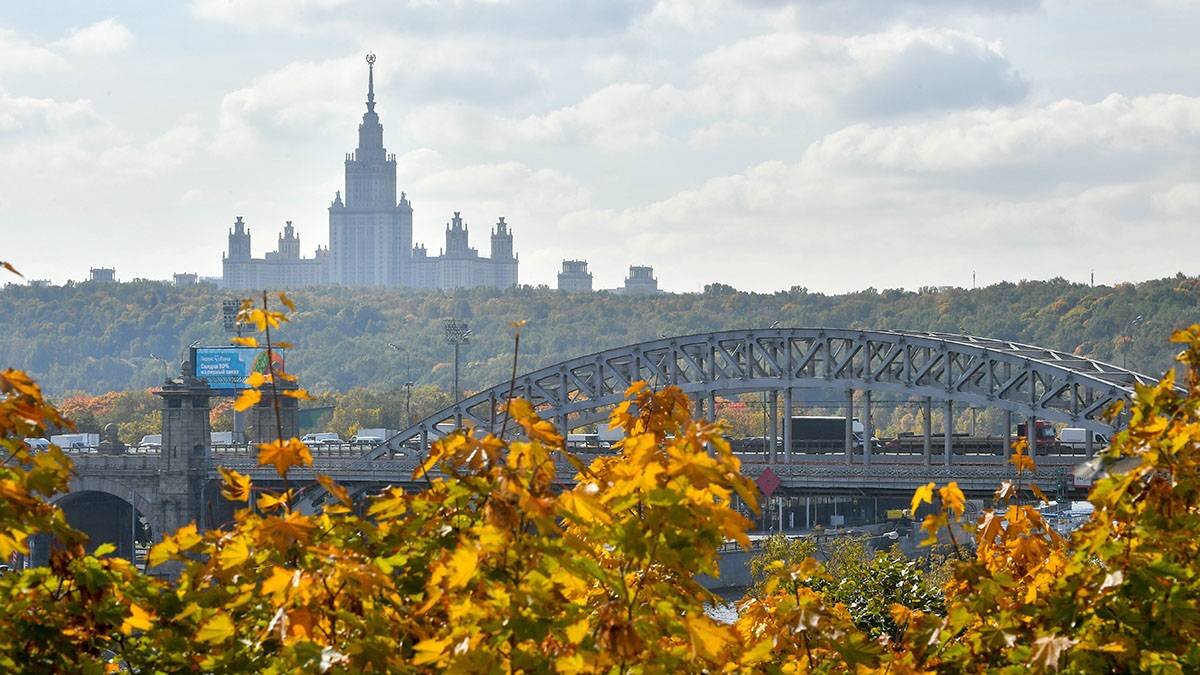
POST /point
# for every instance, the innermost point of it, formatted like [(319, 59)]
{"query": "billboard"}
[(228, 367)]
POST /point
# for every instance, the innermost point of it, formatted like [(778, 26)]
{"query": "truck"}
[(76, 441), (374, 436), (813, 433), (1076, 438), (220, 438), (1044, 436)]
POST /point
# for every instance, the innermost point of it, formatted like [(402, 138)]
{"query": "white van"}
[(37, 444), (322, 438), (1075, 437)]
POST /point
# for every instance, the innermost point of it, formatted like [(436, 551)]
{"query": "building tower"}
[(641, 281), (574, 276), (289, 243), (504, 262), (457, 245), (370, 234), (239, 241), (237, 271)]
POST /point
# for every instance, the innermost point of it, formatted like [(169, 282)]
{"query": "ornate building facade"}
[(371, 235), (460, 266), (281, 268)]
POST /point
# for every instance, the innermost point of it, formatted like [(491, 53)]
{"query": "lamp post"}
[(408, 385), (1129, 334), (166, 366), (457, 333)]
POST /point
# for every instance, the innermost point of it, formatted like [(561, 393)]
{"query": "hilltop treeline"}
[(105, 337)]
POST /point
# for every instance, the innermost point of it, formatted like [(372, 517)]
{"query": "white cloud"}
[(102, 37), (897, 71), (723, 131), (18, 54), (985, 139), (616, 118)]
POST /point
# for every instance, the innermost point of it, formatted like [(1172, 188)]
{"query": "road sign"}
[(767, 482)]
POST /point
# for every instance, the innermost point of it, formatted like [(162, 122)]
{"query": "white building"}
[(574, 276), (371, 235)]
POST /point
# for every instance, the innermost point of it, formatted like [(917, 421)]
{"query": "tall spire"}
[(371, 82)]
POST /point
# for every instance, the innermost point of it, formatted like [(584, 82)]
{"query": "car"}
[(366, 440)]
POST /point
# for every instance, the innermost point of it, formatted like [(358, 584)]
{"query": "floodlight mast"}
[(457, 333)]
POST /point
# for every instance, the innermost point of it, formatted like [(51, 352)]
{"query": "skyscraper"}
[(370, 233)]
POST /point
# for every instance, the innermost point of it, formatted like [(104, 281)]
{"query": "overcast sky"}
[(833, 144)]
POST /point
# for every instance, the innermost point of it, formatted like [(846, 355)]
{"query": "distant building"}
[(186, 279), (281, 268), (371, 235), (460, 266), (574, 276), (641, 281), (102, 275)]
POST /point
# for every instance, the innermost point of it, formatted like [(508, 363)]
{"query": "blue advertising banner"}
[(228, 367)]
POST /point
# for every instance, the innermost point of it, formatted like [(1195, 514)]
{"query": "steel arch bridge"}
[(1029, 381)]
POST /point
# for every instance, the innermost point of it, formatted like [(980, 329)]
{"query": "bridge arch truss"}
[(1029, 381)]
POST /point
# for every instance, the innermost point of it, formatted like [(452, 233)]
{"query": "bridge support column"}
[(1089, 443), (849, 426), (1007, 434), (186, 451), (1031, 435), (264, 426), (928, 430), (424, 440), (787, 425), (698, 405), (712, 406), (868, 429), (948, 441), (774, 435)]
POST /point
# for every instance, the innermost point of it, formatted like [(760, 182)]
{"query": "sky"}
[(830, 144)]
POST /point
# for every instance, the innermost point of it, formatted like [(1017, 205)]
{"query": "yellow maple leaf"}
[(245, 341), (577, 631), (953, 498), (708, 639), (461, 566), (279, 580), (256, 379), (284, 454), (922, 495), (234, 486), (247, 399), (234, 553), (287, 302), (216, 630), (138, 619), (429, 651)]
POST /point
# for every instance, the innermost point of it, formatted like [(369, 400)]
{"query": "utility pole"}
[(457, 333)]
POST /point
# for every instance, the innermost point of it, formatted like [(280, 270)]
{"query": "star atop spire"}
[(370, 82)]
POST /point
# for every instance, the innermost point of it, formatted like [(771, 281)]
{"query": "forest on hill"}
[(97, 338)]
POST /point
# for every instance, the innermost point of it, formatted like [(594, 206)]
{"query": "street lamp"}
[(408, 385), (1129, 334), (166, 366), (457, 333)]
